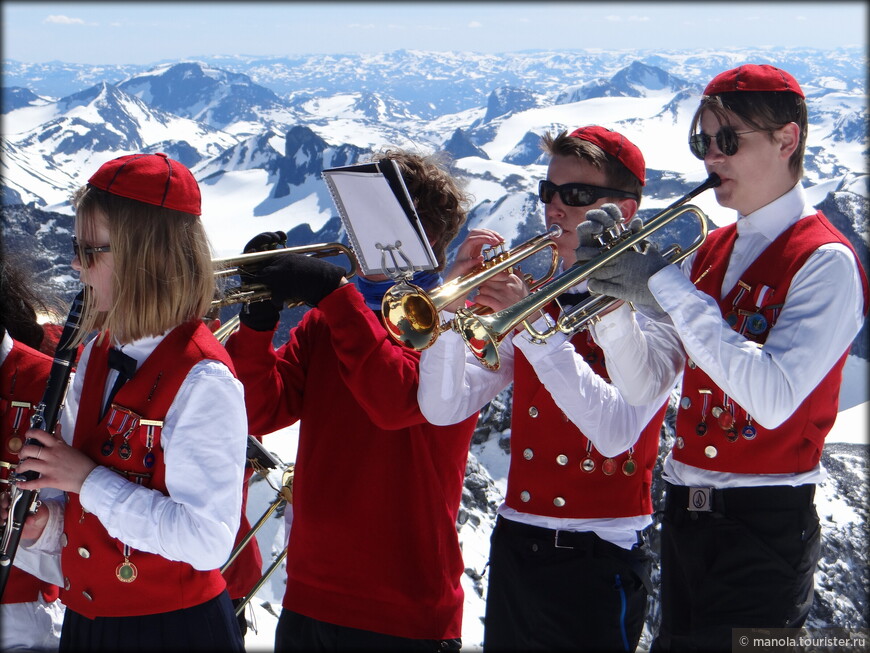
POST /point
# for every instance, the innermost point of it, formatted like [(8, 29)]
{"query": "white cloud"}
[(63, 20), (475, 24)]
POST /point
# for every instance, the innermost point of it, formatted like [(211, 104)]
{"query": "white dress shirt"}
[(823, 313), (204, 439), (453, 385)]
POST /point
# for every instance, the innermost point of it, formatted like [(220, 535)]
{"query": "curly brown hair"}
[(438, 198)]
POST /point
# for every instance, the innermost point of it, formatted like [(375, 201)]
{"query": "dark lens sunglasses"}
[(726, 140), (578, 194), (87, 253)]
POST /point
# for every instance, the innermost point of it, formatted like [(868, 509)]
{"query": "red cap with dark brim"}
[(616, 145), (753, 77), (151, 178)]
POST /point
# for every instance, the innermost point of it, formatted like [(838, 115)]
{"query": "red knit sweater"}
[(376, 489)]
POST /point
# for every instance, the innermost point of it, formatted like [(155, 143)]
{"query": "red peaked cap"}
[(151, 178), (753, 77), (616, 145)]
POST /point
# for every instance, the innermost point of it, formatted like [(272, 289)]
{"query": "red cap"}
[(753, 77), (617, 145), (150, 178)]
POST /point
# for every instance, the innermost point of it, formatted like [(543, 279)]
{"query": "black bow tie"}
[(126, 366)]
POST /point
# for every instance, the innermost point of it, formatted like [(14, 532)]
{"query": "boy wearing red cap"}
[(759, 322), (568, 567), (146, 523)]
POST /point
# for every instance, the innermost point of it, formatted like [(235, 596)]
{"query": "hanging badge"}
[(749, 432), (731, 318), (608, 466), (14, 444), (629, 467), (756, 324), (587, 465), (725, 420), (126, 572), (125, 451), (731, 435), (108, 446), (701, 428)]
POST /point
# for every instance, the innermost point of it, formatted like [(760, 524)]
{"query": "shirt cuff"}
[(100, 490)]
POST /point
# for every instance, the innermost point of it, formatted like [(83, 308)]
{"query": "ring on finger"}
[(38, 452)]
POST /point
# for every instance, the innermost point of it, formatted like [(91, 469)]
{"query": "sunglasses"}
[(726, 140), (86, 253), (578, 194)]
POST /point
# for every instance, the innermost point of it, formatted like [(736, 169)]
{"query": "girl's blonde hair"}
[(163, 274)]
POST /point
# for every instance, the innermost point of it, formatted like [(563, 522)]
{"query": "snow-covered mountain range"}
[(257, 132)]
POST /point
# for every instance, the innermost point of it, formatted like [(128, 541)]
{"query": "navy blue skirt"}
[(210, 626)]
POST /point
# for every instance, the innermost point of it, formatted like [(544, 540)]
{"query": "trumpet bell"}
[(410, 316), (479, 337)]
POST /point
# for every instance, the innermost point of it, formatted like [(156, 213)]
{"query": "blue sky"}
[(147, 32)]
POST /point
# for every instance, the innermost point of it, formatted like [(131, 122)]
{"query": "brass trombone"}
[(484, 333), (411, 315), (250, 262), (262, 461), (254, 292)]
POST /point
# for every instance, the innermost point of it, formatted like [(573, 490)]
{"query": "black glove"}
[(296, 277), (261, 315), (597, 222), (265, 241)]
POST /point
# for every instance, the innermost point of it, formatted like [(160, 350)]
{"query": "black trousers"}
[(210, 626), (748, 563), (296, 632), (585, 594)]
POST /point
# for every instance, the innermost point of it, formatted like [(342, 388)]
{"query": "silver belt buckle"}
[(700, 499), (560, 546)]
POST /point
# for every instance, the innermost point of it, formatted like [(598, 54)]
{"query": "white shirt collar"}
[(5, 346), (774, 218)]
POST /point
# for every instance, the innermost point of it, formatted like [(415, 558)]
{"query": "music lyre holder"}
[(397, 271)]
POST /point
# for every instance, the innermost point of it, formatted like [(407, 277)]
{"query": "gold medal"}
[(587, 465), (14, 445), (126, 571), (608, 466), (629, 467)]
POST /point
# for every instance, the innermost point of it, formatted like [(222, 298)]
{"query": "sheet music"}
[(378, 214)]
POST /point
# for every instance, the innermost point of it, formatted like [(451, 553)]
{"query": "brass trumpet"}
[(484, 333), (410, 314), (246, 293)]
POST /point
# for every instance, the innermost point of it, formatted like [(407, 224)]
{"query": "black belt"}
[(739, 499)]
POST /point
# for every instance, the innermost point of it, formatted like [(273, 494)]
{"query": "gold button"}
[(692, 364), (84, 553), (66, 584), (680, 443), (558, 502), (685, 402), (87, 596), (711, 451), (64, 540), (528, 454), (562, 459), (533, 412), (525, 496)]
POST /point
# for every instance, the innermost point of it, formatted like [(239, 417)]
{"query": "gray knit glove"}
[(597, 222), (627, 276)]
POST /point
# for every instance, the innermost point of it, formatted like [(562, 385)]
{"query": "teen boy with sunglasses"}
[(759, 321), (568, 566)]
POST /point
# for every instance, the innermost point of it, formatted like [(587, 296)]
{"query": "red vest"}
[(555, 471), (715, 433), (98, 582), (23, 377)]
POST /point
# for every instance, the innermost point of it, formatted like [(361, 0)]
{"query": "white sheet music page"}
[(377, 220)]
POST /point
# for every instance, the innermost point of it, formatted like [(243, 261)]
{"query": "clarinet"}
[(25, 502)]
